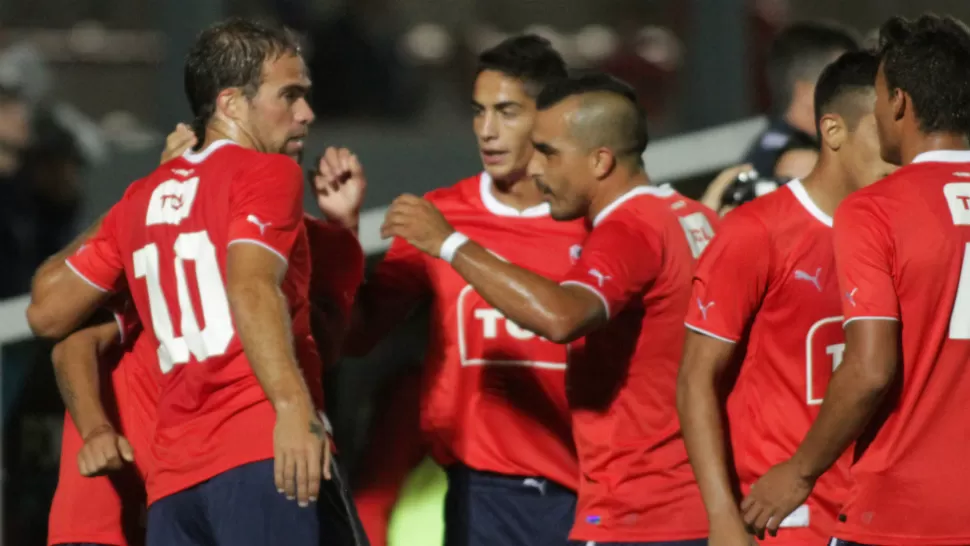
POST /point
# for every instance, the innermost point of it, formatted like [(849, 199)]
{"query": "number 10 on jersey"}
[(201, 343)]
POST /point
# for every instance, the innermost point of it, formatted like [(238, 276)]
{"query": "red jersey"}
[(768, 283), (169, 235), (697, 219), (637, 484), (99, 510), (903, 252), (493, 394), (338, 269)]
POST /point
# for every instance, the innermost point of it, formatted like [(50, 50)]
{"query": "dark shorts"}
[(839, 542), (485, 509), (241, 507)]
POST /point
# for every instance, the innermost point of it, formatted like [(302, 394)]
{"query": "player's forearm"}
[(76, 371), (527, 299), (853, 396), (698, 407), (262, 320)]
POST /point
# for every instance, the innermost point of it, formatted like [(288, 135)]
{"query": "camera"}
[(748, 186)]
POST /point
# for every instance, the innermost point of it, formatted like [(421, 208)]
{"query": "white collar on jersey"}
[(499, 208), (798, 190), (199, 157), (943, 156), (661, 191)]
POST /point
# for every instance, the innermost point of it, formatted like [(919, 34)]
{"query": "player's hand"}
[(339, 185), (301, 452), (104, 450), (773, 497), (729, 530), (418, 222), (712, 195), (178, 142)]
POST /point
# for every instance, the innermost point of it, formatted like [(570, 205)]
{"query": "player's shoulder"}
[(644, 209), (462, 191)]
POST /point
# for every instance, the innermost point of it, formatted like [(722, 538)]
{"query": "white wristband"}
[(451, 246)]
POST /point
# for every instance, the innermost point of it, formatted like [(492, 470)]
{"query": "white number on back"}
[(960, 317), (958, 199), (201, 343)]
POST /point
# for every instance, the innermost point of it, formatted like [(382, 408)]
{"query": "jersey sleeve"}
[(398, 284), (338, 263), (864, 258), (731, 279), (129, 325), (99, 261), (617, 262), (267, 205)]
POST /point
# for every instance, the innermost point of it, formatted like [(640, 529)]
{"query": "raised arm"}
[(555, 312)]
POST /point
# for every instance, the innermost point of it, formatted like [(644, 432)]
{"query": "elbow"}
[(44, 323), (561, 329), (876, 380), (685, 381)]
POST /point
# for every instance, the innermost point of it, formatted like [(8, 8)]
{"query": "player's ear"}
[(229, 103), (602, 162), (899, 101), (833, 131)]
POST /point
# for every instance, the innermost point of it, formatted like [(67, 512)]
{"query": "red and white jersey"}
[(768, 283), (903, 252), (93, 510), (636, 484), (168, 238), (698, 220), (493, 396)]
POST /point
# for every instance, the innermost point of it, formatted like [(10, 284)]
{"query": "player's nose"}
[(304, 114)]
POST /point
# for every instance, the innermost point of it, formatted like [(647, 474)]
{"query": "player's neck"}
[(827, 185), (610, 189), (519, 192), (217, 130), (932, 142)]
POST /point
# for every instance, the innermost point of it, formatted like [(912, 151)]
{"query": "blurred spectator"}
[(787, 148), (40, 161)]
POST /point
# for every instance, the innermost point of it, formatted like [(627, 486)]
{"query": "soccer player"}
[(109, 420), (766, 292), (494, 405), (902, 248), (214, 242), (627, 293)]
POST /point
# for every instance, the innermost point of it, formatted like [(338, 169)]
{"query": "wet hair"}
[(231, 54)]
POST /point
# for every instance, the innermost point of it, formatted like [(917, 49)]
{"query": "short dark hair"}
[(231, 54), (633, 123), (928, 59), (852, 73), (800, 53), (526, 57)]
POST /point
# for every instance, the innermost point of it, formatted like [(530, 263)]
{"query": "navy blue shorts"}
[(840, 542), (485, 509), (241, 507), (694, 542)]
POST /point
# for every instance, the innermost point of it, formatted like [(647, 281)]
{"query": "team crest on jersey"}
[(171, 202), (575, 252)]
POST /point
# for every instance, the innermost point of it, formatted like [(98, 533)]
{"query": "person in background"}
[(788, 147)]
